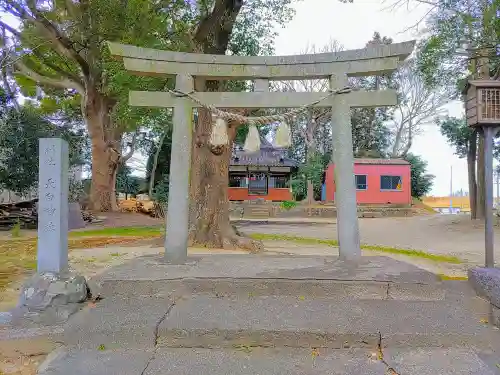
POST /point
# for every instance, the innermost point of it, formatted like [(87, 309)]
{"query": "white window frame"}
[(391, 175), (366, 182)]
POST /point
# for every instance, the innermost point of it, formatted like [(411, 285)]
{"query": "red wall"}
[(373, 194), (274, 194)]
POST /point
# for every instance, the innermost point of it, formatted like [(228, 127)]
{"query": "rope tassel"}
[(283, 136), (219, 136), (252, 142)]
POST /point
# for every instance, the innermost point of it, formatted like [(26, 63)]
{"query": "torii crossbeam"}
[(337, 67)]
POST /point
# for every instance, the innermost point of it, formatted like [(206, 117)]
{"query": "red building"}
[(378, 181), (263, 174)]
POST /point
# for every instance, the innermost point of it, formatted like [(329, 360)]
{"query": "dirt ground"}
[(440, 234)]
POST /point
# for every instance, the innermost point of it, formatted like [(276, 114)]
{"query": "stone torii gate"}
[(336, 67)]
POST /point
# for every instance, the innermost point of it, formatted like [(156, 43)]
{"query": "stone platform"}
[(254, 314)]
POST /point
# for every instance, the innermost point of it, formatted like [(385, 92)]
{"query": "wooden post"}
[(176, 241), (345, 188), (489, 255)]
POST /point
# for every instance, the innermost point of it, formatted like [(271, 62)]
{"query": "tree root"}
[(231, 240), (228, 239)]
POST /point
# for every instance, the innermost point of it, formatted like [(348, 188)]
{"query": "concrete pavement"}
[(256, 314)]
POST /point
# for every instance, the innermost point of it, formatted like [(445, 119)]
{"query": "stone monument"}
[(54, 292)]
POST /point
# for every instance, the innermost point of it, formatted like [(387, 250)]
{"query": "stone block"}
[(49, 289), (486, 283), (425, 361), (50, 298), (75, 219), (307, 322), (93, 362)]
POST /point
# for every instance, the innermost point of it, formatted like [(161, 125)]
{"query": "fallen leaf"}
[(302, 298), (244, 348), (315, 353), (484, 321), (101, 347)]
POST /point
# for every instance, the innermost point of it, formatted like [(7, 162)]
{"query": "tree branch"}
[(129, 154), (57, 69), (61, 43), (63, 83), (72, 10), (215, 29)]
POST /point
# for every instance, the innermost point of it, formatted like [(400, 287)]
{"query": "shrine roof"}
[(268, 155)]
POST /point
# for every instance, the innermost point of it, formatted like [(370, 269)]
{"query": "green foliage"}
[(163, 164), (160, 193), (76, 190), (20, 132), (288, 205), (457, 133), (451, 24), (312, 170), (15, 232), (126, 183), (421, 182), (371, 137)]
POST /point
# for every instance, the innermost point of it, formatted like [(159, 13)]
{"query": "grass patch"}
[(382, 249), (18, 257), (448, 277), (119, 232)]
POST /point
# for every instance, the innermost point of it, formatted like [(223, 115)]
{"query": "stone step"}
[(251, 361), (211, 322), (278, 321), (369, 278), (379, 290)]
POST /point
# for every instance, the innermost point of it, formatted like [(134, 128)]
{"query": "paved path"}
[(440, 234), (254, 314)]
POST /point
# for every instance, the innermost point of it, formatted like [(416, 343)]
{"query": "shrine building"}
[(378, 181), (264, 174)]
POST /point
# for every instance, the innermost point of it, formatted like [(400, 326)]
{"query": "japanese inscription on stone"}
[(50, 188), (53, 205)]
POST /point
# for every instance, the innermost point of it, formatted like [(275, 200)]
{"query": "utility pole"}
[(451, 189)]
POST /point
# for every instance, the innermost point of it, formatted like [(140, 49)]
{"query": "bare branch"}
[(418, 104)]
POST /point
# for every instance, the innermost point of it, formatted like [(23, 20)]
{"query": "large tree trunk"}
[(481, 187), (209, 224), (105, 151), (310, 192), (471, 166)]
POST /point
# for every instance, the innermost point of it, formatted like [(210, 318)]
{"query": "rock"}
[(486, 283), (50, 298), (49, 289)]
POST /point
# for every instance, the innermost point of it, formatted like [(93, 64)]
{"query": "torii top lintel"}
[(372, 60)]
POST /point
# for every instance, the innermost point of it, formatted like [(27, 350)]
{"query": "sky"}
[(318, 21)]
